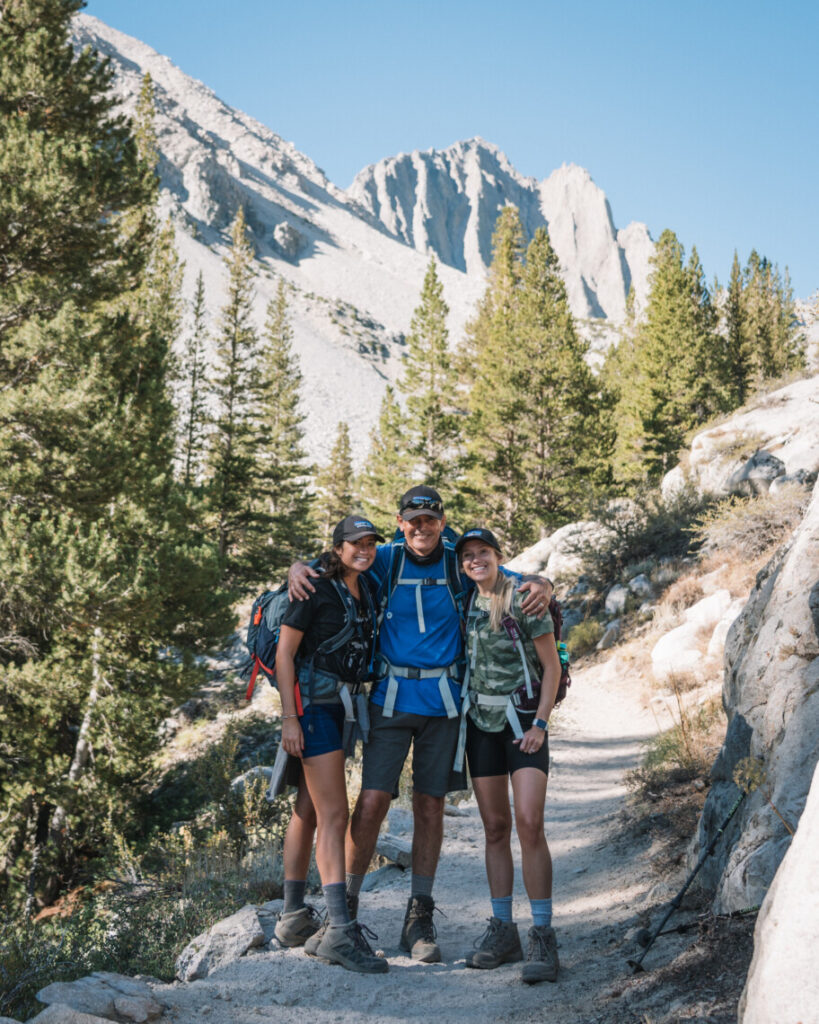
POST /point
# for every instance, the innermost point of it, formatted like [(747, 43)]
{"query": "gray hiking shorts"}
[(433, 743)]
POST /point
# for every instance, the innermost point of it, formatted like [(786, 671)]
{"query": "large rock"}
[(783, 423), (783, 982), (225, 942), (678, 651), (60, 1013), (558, 555), (756, 475), (102, 995), (771, 697)]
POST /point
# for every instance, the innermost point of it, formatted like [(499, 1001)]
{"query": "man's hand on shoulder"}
[(299, 587), (538, 591)]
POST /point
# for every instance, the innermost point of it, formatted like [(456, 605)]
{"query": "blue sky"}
[(700, 117)]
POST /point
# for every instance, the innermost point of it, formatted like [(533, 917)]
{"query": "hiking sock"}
[(336, 898), (541, 913), (421, 885), (502, 908), (293, 894), (354, 884)]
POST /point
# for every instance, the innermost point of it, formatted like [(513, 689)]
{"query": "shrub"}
[(753, 526), (639, 529), (583, 637)]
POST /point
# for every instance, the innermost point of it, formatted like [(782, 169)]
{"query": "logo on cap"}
[(363, 522)]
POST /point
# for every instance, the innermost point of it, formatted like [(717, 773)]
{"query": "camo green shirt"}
[(495, 666)]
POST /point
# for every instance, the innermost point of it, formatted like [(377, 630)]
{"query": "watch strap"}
[(541, 723)]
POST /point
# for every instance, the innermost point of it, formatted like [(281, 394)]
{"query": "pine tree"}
[(534, 430), (387, 468), (283, 469), (193, 392), (738, 352), (335, 484), (234, 387), (676, 376), (770, 322), (429, 381), (104, 573)]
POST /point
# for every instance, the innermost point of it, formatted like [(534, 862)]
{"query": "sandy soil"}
[(603, 887)]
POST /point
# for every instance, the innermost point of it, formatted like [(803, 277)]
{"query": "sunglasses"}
[(421, 502)]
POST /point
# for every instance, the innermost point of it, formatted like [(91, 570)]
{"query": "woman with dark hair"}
[(329, 638), (503, 741)]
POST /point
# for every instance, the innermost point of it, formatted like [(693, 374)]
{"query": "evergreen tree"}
[(738, 352), (233, 454), (534, 433), (387, 469), (103, 571), (193, 400), (283, 469), (335, 484), (676, 376), (428, 381), (770, 322)]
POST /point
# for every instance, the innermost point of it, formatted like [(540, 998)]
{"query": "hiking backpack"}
[(262, 641), (527, 695), (452, 576)]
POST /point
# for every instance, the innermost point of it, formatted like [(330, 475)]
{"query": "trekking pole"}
[(646, 938)]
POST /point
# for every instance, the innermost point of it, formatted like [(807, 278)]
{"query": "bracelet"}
[(289, 716)]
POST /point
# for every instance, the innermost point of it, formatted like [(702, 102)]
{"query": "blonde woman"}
[(503, 741)]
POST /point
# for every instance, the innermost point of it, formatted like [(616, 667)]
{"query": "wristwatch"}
[(541, 723)]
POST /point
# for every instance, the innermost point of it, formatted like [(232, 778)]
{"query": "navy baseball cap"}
[(354, 528), (421, 501), (478, 533)]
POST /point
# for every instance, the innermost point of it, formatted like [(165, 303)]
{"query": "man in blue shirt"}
[(415, 701)]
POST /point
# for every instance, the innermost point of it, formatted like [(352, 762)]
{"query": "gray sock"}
[(293, 894), (336, 898), (421, 885), (354, 884)]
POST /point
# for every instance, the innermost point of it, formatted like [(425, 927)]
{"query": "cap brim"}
[(411, 513), (364, 533)]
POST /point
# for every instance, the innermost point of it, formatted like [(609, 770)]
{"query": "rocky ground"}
[(610, 879)]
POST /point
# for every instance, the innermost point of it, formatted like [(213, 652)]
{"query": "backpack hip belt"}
[(489, 700), (411, 672)]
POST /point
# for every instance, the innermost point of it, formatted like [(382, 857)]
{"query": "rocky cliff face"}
[(771, 696), (447, 201), (356, 260)]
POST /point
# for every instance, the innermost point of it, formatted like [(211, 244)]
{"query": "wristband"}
[(541, 723)]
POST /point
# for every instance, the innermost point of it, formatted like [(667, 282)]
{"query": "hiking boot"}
[(295, 927), (313, 943), (541, 956), (418, 934), (499, 944), (349, 947)]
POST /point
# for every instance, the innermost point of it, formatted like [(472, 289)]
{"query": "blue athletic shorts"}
[(323, 728)]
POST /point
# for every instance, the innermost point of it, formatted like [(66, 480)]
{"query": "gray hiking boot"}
[(349, 947), (499, 944), (541, 956), (313, 943), (418, 934), (295, 927)]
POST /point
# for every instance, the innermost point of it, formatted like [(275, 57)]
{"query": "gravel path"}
[(601, 882)]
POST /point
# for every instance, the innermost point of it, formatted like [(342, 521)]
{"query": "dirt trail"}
[(601, 881)]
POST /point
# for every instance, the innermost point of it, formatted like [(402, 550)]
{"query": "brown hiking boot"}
[(348, 946), (294, 928), (499, 944), (541, 956), (312, 944), (418, 934)]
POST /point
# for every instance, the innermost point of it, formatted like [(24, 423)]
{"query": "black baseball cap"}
[(477, 533), (421, 501), (354, 528)]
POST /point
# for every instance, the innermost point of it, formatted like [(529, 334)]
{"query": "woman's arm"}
[(547, 653), (292, 736)]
